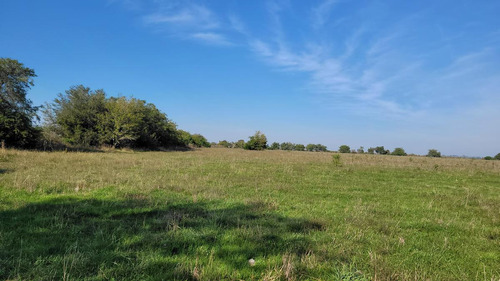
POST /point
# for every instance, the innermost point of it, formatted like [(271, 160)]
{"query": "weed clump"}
[(336, 160)]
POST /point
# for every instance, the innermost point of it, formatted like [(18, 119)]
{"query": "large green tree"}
[(256, 142), (344, 149), (16, 110), (87, 118), (399, 151), (77, 115), (120, 125), (433, 153)]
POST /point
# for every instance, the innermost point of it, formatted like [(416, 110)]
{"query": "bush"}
[(257, 142), (433, 153), (381, 150), (336, 160), (399, 152), (497, 157), (199, 141), (239, 144), (225, 143), (488, 158), (344, 149)]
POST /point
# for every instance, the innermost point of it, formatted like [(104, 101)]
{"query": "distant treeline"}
[(85, 118), (259, 142)]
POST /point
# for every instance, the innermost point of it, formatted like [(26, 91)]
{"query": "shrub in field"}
[(399, 152), (433, 153), (488, 158), (497, 157), (257, 142), (344, 149), (336, 160)]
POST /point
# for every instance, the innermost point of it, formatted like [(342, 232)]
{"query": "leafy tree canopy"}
[(256, 142), (433, 153), (399, 152), (87, 118), (316, 147), (344, 149), (16, 110)]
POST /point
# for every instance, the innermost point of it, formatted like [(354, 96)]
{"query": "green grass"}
[(200, 215)]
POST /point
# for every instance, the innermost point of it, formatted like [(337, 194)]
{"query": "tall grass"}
[(201, 215)]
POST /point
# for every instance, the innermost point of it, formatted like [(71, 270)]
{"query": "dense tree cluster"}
[(256, 142), (433, 153), (287, 146), (88, 118), (316, 147)]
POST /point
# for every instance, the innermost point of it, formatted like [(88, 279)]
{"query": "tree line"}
[(398, 151), (259, 142), (82, 117)]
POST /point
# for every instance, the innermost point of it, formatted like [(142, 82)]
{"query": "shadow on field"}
[(4, 171), (137, 239)]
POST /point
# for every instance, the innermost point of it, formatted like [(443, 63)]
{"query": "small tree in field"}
[(381, 150), (257, 142), (344, 149), (497, 157), (433, 153), (399, 152)]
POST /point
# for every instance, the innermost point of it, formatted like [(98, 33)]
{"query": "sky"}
[(412, 74)]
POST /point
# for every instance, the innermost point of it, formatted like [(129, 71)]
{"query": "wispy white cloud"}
[(320, 14), (187, 16), (367, 68), (211, 38)]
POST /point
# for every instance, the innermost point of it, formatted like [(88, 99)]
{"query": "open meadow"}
[(202, 214)]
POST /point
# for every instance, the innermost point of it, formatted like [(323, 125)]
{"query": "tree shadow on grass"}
[(140, 240)]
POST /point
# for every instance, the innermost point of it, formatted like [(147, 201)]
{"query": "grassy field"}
[(201, 215)]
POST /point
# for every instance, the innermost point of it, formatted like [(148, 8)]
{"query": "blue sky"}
[(412, 74)]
